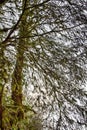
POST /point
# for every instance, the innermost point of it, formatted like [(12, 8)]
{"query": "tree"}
[(49, 41)]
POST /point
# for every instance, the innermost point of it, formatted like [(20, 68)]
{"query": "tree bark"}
[(3, 73), (17, 78)]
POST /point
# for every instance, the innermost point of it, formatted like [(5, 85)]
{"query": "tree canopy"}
[(43, 61)]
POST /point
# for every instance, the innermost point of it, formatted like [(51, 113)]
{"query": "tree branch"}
[(14, 27), (2, 1)]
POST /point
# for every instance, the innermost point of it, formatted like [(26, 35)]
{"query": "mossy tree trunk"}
[(18, 70), (1, 87), (17, 78), (17, 84), (3, 80)]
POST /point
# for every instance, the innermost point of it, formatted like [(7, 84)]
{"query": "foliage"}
[(44, 57)]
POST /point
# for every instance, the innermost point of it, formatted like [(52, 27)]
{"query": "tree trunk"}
[(18, 71), (3, 77), (17, 79)]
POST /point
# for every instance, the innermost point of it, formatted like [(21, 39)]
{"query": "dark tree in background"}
[(43, 63)]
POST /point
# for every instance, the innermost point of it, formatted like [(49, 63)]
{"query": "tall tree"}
[(50, 40), (17, 74)]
